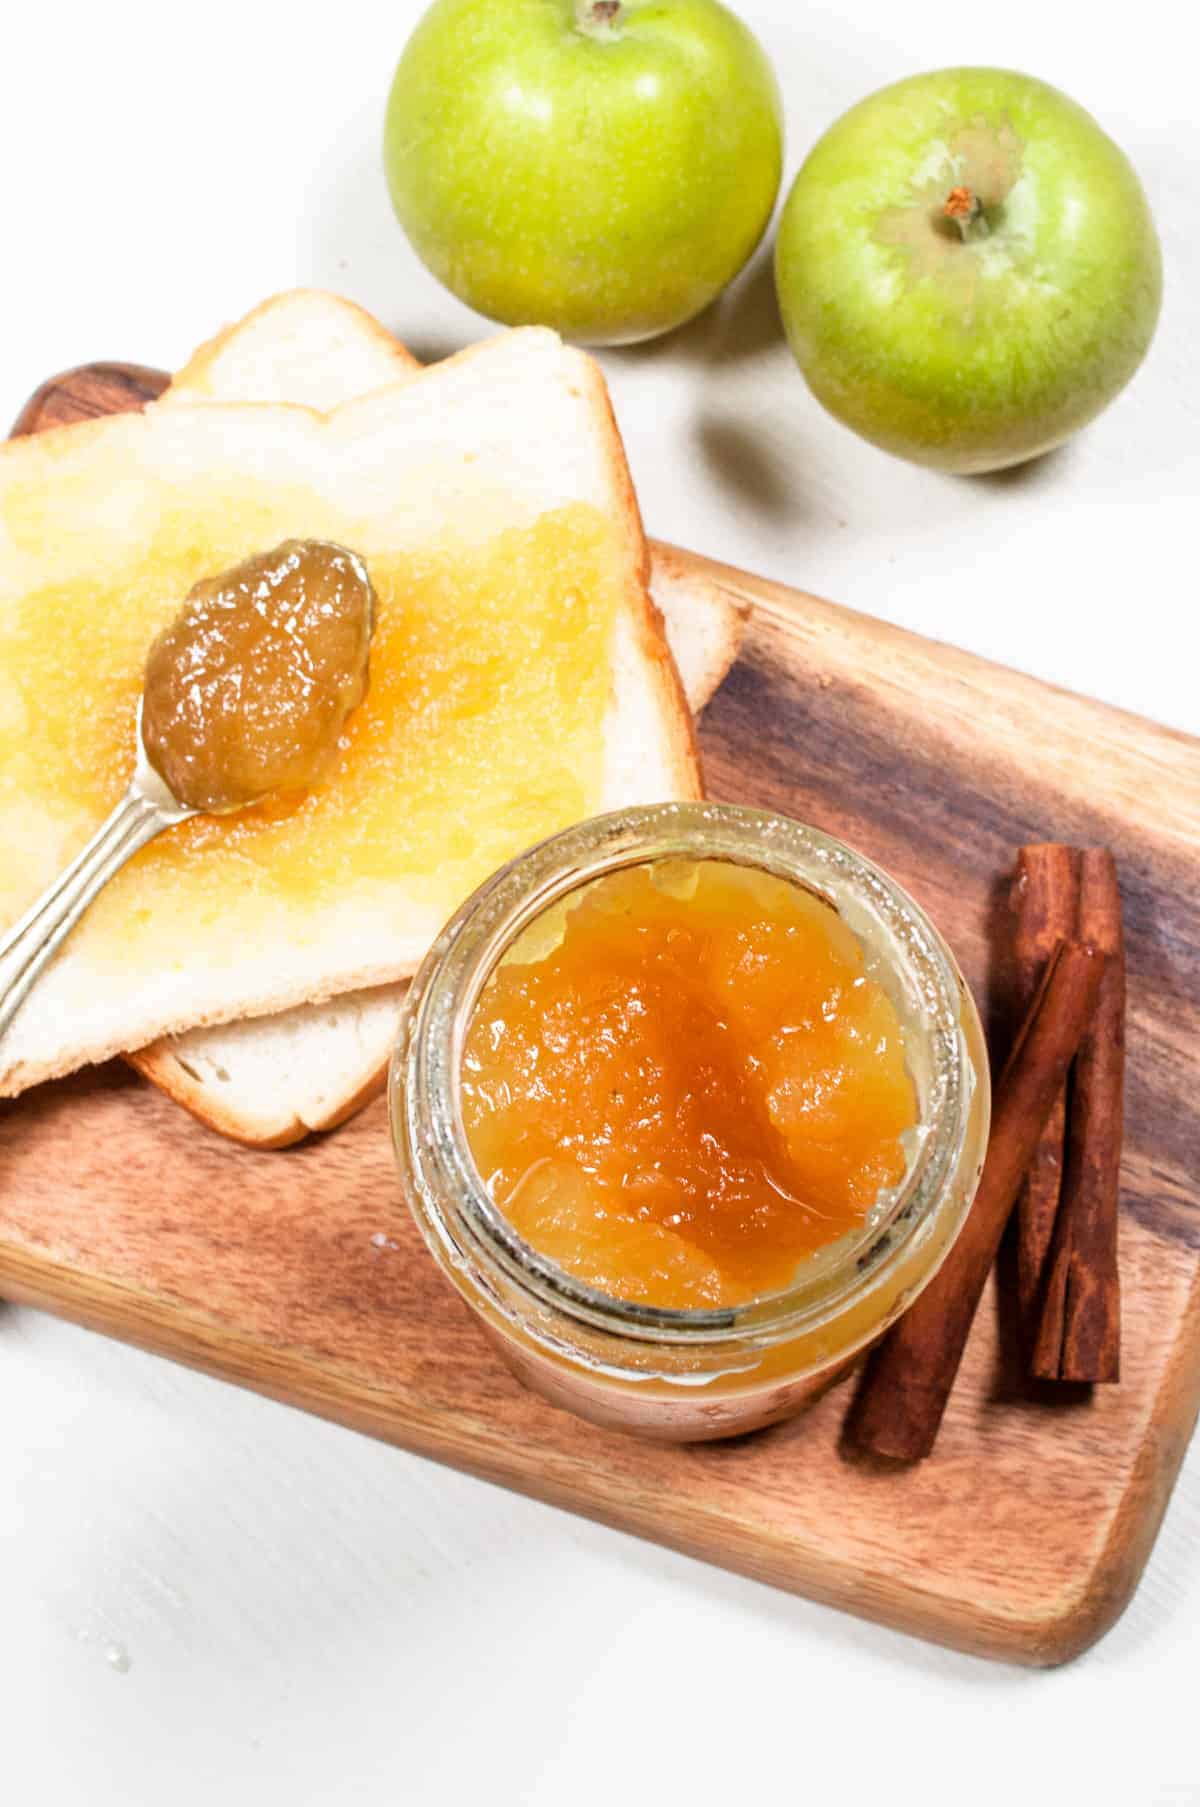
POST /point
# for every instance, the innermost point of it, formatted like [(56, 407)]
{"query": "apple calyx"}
[(597, 18)]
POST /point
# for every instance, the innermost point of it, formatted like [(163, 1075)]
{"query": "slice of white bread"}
[(422, 463), (304, 346), (268, 1081)]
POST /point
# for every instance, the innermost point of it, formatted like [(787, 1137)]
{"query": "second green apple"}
[(602, 166), (968, 270)]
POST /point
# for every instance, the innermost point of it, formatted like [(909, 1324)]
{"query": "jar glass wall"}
[(692, 1374)]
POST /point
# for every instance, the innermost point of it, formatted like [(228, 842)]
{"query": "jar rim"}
[(424, 1102)]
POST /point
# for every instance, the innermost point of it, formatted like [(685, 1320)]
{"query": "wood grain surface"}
[(300, 1274)]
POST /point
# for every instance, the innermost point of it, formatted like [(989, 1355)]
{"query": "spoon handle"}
[(29, 944)]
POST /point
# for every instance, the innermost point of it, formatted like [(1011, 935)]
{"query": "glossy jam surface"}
[(481, 731), (683, 1083), (247, 691)]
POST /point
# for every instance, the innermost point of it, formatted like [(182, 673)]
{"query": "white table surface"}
[(207, 1596)]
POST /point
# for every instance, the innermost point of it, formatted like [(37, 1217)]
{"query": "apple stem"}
[(963, 206), (597, 18)]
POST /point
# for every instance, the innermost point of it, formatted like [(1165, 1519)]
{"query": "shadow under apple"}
[(744, 467), (742, 323), (1029, 474)]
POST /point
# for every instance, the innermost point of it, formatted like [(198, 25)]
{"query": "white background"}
[(204, 1595)]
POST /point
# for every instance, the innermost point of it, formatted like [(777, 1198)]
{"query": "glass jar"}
[(689, 1375)]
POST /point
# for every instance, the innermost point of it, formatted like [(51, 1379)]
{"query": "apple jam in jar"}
[(689, 1102)]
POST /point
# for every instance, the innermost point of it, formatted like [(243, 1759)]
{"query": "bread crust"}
[(676, 715)]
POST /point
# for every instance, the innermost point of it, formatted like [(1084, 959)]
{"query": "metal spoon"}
[(147, 807)]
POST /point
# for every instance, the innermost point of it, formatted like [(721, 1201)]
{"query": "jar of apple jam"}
[(689, 1102)]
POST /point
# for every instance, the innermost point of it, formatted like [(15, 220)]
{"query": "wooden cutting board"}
[(299, 1274)]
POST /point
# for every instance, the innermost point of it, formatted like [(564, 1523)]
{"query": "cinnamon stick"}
[(1079, 1335), (1045, 900), (899, 1408)]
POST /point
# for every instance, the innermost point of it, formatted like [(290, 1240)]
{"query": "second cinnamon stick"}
[(1079, 1336)]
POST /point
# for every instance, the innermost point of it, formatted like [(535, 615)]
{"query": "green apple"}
[(968, 270), (601, 166)]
